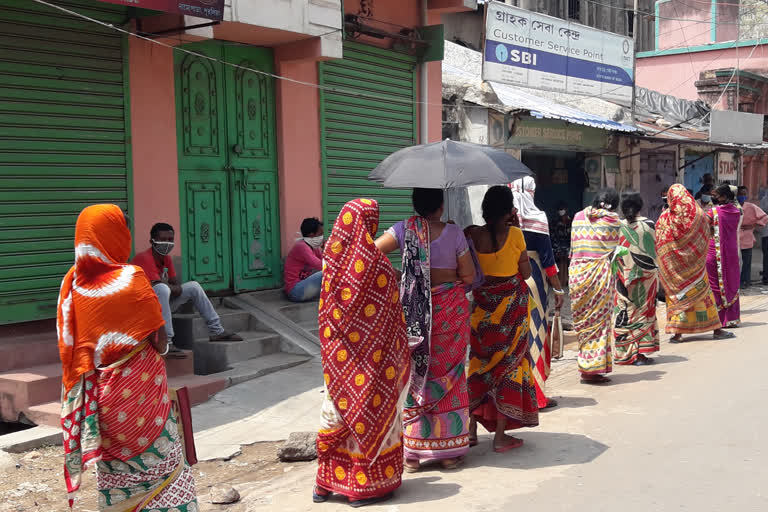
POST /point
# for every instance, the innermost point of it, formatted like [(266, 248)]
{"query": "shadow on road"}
[(573, 402), (541, 449), (423, 489), (669, 358), (747, 324), (627, 378)]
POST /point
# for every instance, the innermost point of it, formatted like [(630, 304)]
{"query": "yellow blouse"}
[(503, 263)]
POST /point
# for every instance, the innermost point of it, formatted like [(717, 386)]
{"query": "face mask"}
[(315, 241), (706, 199), (162, 248), (561, 213), (742, 199)]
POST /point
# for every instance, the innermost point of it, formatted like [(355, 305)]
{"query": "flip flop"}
[(319, 498), (411, 468), (723, 336), (370, 501), (673, 340), (453, 465), (551, 404), (643, 362), (508, 447)]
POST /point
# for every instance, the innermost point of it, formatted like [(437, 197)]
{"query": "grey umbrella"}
[(448, 164)]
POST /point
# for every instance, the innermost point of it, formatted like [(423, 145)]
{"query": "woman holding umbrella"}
[(436, 266), (502, 393)]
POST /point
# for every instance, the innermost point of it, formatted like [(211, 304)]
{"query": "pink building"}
[(232, 131), (700, 55)]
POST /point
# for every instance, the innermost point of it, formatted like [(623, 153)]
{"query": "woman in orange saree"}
[(116, 411), (366, 364)]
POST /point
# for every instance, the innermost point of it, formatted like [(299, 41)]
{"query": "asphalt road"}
[(689, 433)]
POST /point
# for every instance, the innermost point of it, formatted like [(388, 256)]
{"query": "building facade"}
[(233, 131)]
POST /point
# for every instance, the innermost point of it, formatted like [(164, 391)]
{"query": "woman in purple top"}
[(436, 266)]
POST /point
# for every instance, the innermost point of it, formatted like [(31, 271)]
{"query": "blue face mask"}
[(742, 199), (706, 199)]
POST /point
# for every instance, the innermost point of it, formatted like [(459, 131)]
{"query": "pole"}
[(634, 59)]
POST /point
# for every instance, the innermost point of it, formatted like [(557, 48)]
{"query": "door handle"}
[(237, 149)]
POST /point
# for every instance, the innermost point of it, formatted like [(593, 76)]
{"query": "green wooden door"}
[(228, 168), (368, 112), (63, 141)]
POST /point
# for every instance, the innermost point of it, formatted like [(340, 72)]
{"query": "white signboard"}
[(736, 127), (727, 168), (532, 50)]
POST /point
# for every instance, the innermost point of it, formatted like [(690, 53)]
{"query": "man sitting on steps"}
[(158, 267)]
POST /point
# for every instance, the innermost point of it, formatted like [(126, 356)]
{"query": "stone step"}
[(28, 350), (254, 368), (201, 388), (189, 327), (218, 356), (22, 389)]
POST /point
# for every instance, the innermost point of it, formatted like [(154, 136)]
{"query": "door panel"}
[(250, 132), (228, 168), (206, 239)]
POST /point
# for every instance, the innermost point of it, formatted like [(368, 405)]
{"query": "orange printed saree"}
[(116, 412)]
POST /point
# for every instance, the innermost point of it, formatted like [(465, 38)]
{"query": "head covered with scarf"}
[(106, 307), (531, 218), (366, 360), (682, 240)]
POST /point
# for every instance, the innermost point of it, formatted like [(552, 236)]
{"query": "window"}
[(574, 9), (631, 23)]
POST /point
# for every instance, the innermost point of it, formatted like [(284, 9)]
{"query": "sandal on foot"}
[(676, 340), (507, 447), (597, 379), (370, 501), (723, 336), (226, 336), (643, 362), (551, 403), (411, 467), (452, 463), (319, 498)]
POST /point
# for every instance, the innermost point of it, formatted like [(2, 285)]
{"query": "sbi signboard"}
[(532, 50)]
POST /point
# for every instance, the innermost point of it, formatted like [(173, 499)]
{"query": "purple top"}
[(445, 250)]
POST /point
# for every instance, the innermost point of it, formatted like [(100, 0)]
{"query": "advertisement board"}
[(209, 9), (533, 50)]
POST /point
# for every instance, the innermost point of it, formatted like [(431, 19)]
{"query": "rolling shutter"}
[(359, 130), (62, 141)]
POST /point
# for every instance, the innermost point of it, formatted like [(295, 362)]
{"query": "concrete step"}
[(201, 389), (261, 366), (218, 356), (22, 389), (28, 350), (304, 314), (190, 327)]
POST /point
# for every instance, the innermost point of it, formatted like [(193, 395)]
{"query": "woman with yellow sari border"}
[(116, 409)]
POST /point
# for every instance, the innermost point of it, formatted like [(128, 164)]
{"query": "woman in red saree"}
[(682, 239), (436, 266), (366, 364), (116, 411)]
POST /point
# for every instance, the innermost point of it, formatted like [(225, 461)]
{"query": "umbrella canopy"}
[(448, 164)]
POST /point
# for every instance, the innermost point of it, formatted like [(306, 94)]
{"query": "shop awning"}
[(462, 66), (209, 9)]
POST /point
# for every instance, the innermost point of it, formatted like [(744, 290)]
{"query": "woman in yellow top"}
[(502, 393)]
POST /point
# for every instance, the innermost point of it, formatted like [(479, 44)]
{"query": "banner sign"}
[(727, 168), (209, 9), (532, 50)]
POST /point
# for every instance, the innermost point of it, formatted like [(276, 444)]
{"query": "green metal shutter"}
[(63, 144), (360, 129)]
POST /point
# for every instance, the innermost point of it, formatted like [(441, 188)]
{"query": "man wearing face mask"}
[(754, 217), (303, 265), (172, 294)]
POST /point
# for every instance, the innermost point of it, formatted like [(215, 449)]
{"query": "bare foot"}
[(677, 338), (452, 463), (505, 443), (411, 465), (472, 432)]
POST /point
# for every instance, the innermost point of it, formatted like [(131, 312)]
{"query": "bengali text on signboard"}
[(532, 50), (209, 9)]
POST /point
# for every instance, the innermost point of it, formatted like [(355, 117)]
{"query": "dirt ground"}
[(37, 483)]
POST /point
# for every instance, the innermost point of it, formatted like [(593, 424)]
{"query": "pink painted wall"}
[(153, 134), (674, 32), (298, 146), (677, 74)]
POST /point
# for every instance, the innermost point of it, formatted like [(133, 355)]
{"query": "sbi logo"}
[(515, 56)]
